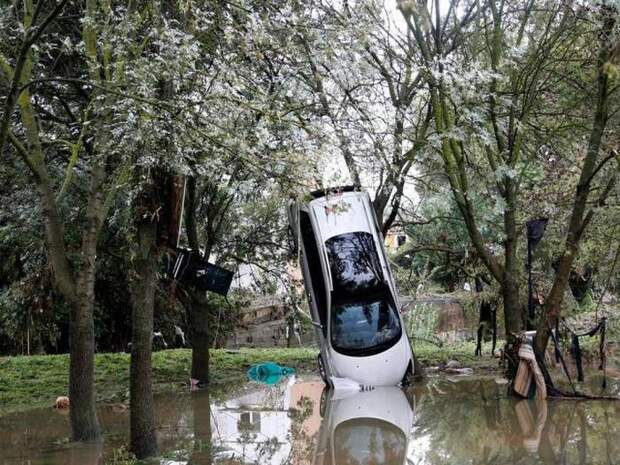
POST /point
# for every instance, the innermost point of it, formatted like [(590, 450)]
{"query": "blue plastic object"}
[(269, 373)]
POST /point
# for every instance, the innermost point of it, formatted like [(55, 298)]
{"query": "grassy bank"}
[(27, 382), (35, 381)]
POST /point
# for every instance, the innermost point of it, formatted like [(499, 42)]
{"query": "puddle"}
[(441, 421)]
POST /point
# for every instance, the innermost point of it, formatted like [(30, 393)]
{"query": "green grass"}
[(36, 381), (432, 355)]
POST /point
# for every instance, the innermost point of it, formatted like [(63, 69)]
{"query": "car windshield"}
[(365, 326), (354, 264)]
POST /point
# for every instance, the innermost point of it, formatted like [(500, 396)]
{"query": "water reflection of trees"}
[(462, 420), (201, 409), (302, 443), (482, 425)]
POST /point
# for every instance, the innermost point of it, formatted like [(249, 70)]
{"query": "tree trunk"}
[(83, 414), (290, 324), (579, 219), (513, 318), (199, 331), (418, 369), (197, 309), (510, 287), (80, 294), (142, 418)]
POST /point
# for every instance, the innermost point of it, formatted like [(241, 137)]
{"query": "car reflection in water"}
[(365, 428), (303, 423)]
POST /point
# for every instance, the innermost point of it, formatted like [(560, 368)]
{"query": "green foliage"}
[(421, 323), (439, 253)]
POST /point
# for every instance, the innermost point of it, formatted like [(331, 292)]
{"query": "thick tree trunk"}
[(510, 286), (83, 414), (197, 309), (513, 317), (512, 306), (199, 330), (142, 418)]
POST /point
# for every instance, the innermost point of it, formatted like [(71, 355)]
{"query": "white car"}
[(353, 300), (366, 427)]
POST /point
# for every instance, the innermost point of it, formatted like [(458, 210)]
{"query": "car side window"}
[(314, 265)]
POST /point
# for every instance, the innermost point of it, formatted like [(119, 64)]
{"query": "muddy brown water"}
[(445, 420)]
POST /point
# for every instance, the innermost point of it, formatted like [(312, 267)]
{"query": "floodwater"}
[(445, 420)]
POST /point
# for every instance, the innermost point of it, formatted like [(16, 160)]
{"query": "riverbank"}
[(36, 381)]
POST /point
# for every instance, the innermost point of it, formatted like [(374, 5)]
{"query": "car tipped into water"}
[(351, 292)]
